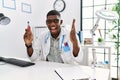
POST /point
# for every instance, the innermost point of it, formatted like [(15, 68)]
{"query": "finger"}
[(25, 35), (29, 28), (25, 29), (73, 23)]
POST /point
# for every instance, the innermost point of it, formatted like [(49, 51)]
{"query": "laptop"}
[(17, 62)]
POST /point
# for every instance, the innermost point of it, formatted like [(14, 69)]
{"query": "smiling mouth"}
[(52, 28)]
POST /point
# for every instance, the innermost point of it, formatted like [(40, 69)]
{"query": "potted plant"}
[(116, 35), (100, 41)]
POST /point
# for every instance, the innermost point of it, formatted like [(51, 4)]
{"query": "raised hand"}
[(28, 36), (73, 39), (73, 32)]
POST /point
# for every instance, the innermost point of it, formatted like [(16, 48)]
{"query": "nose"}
[(52, 23)]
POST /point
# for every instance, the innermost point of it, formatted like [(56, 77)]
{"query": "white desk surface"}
[(42, 70), (97, 46)]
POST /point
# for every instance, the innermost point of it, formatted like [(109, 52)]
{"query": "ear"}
[(61, 21)]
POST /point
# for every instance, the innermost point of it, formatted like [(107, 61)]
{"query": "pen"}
[(58, 74), (100, 33)]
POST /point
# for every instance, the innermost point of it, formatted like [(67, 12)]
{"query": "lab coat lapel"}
[(46, 45), (62, 37)]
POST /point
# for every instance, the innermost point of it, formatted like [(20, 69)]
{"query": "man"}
[(57, 45)]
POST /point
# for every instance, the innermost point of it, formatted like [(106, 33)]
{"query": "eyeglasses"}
[(49, 21)]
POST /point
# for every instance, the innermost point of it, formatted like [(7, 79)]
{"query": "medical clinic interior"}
[(97, 25)]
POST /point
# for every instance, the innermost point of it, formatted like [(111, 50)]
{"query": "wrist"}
[(28, 46)]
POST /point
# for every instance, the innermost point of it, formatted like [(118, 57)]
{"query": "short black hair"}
[(53, 12)]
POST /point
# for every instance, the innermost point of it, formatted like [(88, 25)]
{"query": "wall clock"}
[(59, 5)]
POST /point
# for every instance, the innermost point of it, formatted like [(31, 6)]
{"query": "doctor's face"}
[(53, 22)]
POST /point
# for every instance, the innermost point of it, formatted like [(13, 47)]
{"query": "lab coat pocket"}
[(66, 57), (66, 54)]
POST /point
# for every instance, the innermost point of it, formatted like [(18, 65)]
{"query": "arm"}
[(28, 38), (74, 40), (76, 49)]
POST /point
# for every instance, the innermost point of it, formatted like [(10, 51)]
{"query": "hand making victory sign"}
[(73, 39)]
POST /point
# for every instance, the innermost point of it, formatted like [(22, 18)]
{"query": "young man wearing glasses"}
[(57, 45)]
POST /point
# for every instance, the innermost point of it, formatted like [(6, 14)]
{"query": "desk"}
[(86, 51), (87, 47), (42, 70)]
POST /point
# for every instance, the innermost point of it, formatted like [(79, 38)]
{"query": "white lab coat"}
[(42, 47)]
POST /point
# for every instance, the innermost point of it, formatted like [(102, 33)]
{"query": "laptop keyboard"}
[(17, 62)]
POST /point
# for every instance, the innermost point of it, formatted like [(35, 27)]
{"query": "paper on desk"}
[(72, 73)]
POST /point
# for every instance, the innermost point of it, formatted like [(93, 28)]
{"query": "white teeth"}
[(52, 27)]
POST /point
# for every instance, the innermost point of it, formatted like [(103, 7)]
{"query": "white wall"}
[(11, 35)]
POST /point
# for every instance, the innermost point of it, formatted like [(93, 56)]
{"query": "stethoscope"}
[(62, 41)]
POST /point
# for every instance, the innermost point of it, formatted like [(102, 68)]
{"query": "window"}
[(89, 7)]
